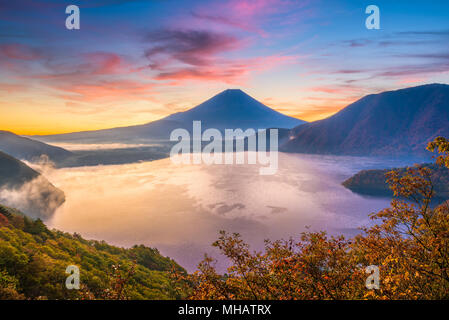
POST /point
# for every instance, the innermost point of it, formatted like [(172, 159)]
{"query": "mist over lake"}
[(179, 209)]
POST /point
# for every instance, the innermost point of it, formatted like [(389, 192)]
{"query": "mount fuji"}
[(230, 109)]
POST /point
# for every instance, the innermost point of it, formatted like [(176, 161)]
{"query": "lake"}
[(179, 209)]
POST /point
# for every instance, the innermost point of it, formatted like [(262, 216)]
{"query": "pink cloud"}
[(19, 51), (94, 76), (184, 55), (232, 22), (107, 90), (94, 67), (337, 89), (11, 88), (246, 15), (105, 63), (412, 80), (256, 7), (191, 47), (228, 71)]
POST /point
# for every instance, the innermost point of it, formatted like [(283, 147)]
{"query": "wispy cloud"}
[(17, 51), (424, 33), (191, 47), (106, 90), (244, 25), (199, 55)]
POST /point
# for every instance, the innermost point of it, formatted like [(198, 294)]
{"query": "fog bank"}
[(180, 208)]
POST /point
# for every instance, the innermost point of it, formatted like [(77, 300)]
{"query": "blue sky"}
[(137, 61)]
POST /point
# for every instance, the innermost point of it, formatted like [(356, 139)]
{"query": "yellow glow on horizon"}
[(48, 116), (27, 128), (37, 126), (33, 129)]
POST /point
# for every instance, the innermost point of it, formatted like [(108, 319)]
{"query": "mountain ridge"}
[(388, 123), (29, 149), (27, 189), (229, 109)]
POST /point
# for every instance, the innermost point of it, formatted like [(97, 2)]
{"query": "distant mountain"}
[(27, 189), (229, 109), (14, 173), (233, 108), (398, 122), (157, 130), (28, 149)]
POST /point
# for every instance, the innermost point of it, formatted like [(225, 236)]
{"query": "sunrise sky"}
[(133, 62)]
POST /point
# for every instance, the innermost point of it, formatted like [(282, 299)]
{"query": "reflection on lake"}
[(179, 209)]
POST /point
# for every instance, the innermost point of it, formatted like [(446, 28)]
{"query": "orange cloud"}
[(337, 89), (10, 87), (108, 90), (106, 63), (228, 71)]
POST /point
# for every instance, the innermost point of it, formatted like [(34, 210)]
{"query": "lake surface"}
[(179, 209)]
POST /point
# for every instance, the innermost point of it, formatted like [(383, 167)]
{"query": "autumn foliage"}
[(409, 242), (33, 261)]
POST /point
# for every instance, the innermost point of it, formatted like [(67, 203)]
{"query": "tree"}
[(8, 287), (441, 145), (409, 244)]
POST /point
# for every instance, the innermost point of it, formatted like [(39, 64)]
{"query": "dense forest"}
[(33, 261), (373, 182)]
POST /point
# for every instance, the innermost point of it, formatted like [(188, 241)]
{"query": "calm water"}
[(180, 209)]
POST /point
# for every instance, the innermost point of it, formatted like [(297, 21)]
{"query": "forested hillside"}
[(33, 260), (374, 182)]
